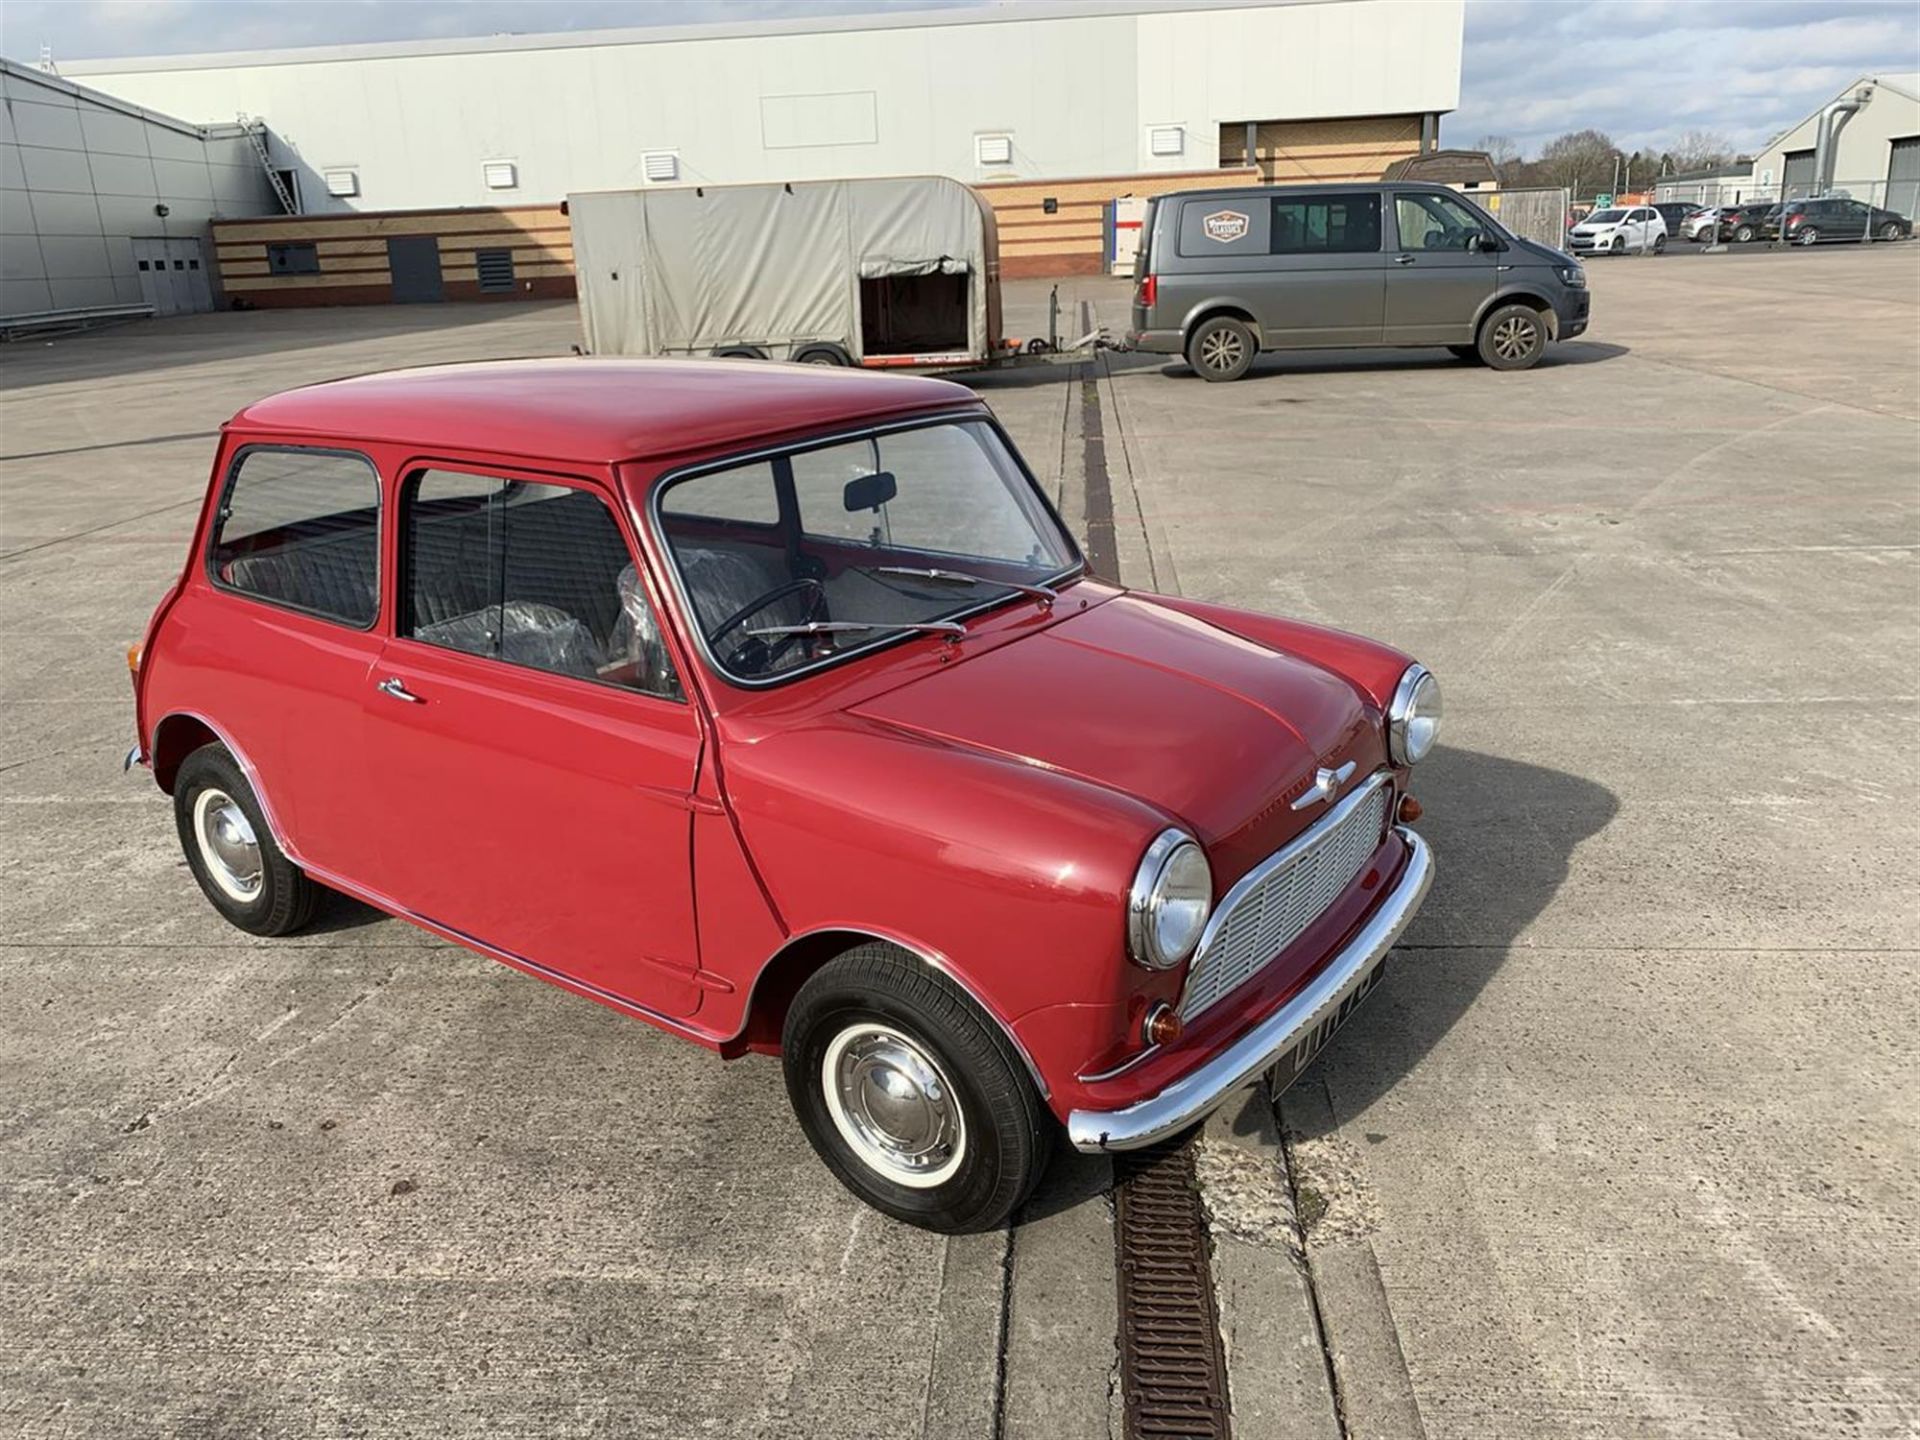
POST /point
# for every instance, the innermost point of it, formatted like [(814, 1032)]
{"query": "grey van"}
[(1224, 274)]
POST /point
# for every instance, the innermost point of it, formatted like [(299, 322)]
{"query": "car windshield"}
[(794, 560), (1606, 217)]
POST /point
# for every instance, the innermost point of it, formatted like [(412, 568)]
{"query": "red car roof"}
[(594, 410)]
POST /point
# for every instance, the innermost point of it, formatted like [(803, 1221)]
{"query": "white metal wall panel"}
[(1075, 90)]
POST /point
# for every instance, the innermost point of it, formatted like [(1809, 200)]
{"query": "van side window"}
[(300, 529), (1435, 222), (530, 574), (1325, 225)]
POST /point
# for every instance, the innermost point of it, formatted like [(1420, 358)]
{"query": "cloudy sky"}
[(1643, 70)]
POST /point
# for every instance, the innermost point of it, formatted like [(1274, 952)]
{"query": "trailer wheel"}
[(1037, 346), (824, 355), (739, 352)]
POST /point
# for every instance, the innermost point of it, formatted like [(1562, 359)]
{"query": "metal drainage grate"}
[(1173, 1373)]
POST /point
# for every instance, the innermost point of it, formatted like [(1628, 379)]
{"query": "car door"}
[(528, 739), (1437, 275)]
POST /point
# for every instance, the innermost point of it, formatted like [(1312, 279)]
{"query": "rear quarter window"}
[(300, 528)]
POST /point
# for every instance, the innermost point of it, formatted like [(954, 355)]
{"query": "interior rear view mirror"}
[(870, 492)]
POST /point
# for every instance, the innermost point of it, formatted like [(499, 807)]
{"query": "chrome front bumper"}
[(1203, 1089)]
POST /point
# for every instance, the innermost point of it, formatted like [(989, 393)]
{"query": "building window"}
[(660, 165), (993, 149), (1167, 140), (343, 182), (500, 174), (293, 260), (496, 269)]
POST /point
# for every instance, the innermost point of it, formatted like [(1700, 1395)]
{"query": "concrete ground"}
[(1625, 1146)]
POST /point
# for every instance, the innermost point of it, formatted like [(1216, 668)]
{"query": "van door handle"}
[(392, 686), (1403, 259)]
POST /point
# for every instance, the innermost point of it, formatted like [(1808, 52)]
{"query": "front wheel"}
[(1619, 246), (1890, 231), (231, 850), (1221, 349), (1513, 337), (911, 1095)]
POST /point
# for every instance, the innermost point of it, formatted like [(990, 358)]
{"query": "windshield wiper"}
[(839, 627), (1042, 593)]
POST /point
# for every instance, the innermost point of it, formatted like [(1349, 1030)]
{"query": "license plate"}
[(1287, 1068)]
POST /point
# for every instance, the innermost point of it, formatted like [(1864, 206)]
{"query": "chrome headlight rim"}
[(1415, 682), (1145, 900)]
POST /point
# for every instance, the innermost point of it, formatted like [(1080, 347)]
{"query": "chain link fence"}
[(1738, 214)]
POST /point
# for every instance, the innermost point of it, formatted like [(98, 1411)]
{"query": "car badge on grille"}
[(1326, 784)]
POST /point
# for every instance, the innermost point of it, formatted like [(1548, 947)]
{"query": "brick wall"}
[(1291, 151)]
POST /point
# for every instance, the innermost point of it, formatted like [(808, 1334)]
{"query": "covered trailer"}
[(889, 272)]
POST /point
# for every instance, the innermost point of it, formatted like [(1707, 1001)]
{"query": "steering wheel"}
[(756, 654)]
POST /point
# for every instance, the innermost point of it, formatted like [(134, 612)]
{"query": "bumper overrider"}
[(1288, 1038)]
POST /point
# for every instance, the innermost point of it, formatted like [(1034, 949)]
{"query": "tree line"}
[(1588, 163)]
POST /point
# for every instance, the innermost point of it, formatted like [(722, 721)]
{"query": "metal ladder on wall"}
[(256, 131)]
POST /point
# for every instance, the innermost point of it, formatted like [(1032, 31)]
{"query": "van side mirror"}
[(1489, 246), (870, 492)]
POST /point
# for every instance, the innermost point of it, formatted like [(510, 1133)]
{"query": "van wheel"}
[(1221, 348), (823, 355), (232, 852), (1513, 337), (911, 1095), (1468, 353)]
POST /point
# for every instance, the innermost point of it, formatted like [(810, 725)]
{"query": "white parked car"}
[(1700, 224), (1617, 230)]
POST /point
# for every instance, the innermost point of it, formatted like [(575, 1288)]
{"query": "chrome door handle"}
[(392, 686), (1403, 259)]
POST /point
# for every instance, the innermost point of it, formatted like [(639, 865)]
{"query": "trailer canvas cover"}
[(687, 269)]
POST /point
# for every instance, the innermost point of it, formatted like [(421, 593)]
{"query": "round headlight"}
[(1171, 898), (1413, 719)]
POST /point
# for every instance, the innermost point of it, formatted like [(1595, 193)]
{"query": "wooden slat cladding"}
[(1291, 152), (352, 254), (1073, 240)]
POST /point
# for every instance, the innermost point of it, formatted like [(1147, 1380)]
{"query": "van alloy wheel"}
[(1513, 337), (1222, 350)]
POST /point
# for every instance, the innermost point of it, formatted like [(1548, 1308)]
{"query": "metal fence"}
[(1861, 212), (1538, 215)]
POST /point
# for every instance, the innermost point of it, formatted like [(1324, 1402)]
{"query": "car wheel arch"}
[(1214, 309), (1532, 299), (181, 732), (787, 969)]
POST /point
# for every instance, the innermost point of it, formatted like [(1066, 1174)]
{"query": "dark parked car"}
[(1743, 222), (1808, 222), (1675, 212)]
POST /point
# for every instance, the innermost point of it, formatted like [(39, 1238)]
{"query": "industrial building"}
[(104, 203), (1872, 134), (1055, 110)]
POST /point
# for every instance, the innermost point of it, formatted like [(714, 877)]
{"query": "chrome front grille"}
[(1279, 898)]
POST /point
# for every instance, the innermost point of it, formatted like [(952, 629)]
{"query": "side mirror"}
[(870, 492), (1489, 246)]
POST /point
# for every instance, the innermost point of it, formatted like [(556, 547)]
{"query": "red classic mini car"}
[(775, 706)]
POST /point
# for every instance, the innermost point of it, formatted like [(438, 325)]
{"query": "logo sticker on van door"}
[(1226, 226)]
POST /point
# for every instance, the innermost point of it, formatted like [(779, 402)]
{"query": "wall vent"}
[(342, 182), (1167, 140), (500, 174), (496, 270), (993, 149), (660, 165)]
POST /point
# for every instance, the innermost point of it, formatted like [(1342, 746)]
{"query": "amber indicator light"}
[(1163, 1026), (1410, 810)]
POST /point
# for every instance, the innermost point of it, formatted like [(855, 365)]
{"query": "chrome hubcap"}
[(227, 844), (893, 1105), (1513, 338), (1221, 350)]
